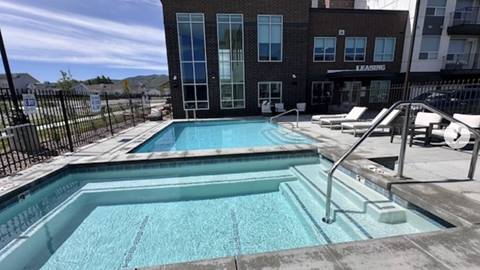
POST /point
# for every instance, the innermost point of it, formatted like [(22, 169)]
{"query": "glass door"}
[(350, 94)]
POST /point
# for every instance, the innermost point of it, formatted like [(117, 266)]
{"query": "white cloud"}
[(41, 35), (150, 2)]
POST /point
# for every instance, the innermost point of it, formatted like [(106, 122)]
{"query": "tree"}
[(66, 81)]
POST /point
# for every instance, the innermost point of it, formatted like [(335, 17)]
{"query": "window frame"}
[(334, 53), (435, 8), (354, 54), (383, 52), (269, 83), (323, 83), (193, 62), (232, 84), (269, 38), (437, 52)]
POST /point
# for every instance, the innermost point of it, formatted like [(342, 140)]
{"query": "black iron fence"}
[(459, 96), (60, 122)]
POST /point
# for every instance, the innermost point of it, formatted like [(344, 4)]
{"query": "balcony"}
[(465, 21), (462, 63)]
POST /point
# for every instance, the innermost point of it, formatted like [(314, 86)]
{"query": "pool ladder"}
[(401, 159)]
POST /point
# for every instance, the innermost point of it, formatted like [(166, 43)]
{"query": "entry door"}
[(321, 93), (351, 93)]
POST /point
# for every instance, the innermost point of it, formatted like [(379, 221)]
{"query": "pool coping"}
[(456, 248)]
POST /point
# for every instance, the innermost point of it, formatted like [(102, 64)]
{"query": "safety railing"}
[(328, 218), (285, 113)]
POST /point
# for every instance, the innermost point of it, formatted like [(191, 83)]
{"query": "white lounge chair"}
[(266, 108), (472, 121), (353, 116), (279, 107), (386, 123), (316, 118), (424, 124)]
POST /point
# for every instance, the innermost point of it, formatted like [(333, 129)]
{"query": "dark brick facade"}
[(355, 23), (300, 25)]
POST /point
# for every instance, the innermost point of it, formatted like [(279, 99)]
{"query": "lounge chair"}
[(302, 107), (266, 108), (472, 121), (353, 116), (316, 118), (424, 124), (155, 115), (279, 108), (386, 123)]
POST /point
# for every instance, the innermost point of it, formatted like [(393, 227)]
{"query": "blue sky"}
[(116, 38)]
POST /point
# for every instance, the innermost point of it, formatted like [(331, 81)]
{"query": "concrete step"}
[(354, 195)]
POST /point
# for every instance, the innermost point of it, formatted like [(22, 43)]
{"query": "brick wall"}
[(295, 43)]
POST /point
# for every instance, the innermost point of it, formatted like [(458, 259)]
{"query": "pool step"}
[(311, 211), (283, 137), (359, 197)]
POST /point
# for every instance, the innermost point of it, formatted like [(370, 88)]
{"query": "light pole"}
[(20, 117)]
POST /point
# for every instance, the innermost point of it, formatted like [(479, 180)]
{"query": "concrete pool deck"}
[(437, 183)]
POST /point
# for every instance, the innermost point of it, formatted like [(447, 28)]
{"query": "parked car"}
[(465, 100)]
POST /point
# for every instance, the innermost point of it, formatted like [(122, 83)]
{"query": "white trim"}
[(334, 54), (364, 53), (194, 84), (243, 62), (383, 53), (270, 39), (269, 83)]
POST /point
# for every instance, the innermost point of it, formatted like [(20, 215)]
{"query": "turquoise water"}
[(126, 236), (154, 214), (220, 134)]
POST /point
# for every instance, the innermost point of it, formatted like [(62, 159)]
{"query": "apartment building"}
[(447, 40), (227, 57)]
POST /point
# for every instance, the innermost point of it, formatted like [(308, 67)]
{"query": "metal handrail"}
[(284, 113), (328, 219)]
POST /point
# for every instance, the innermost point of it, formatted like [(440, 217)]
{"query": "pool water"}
[(160, 233), (121, 217), (220, 134)]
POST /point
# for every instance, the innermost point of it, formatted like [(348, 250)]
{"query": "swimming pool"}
[(143, 214), (198, 135)]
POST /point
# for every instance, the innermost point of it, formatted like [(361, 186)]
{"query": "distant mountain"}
[(150, 81)]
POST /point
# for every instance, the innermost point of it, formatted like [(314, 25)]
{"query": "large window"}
[(270, 38), (384, 49), (355, 49), (324, 49), (429, 47), (193, 62), (269, 91), (231, 61), (436, 8), (379, 91)]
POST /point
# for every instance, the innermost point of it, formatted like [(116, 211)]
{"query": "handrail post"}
[(403, 145), (473, 162), (328, 219)]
